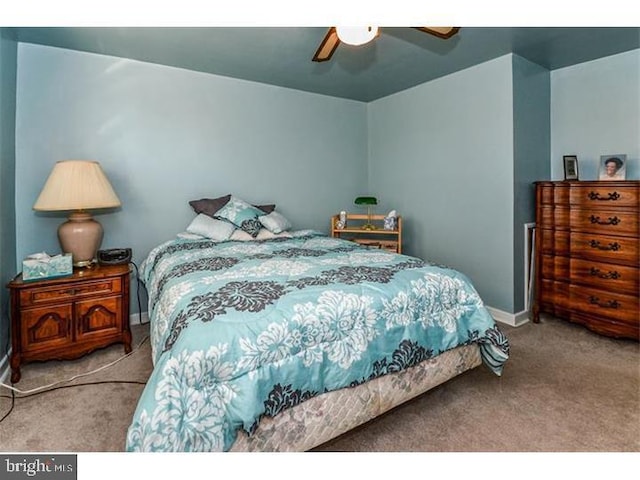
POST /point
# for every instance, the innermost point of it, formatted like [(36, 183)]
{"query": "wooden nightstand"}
[(390, 240), (66, 318)]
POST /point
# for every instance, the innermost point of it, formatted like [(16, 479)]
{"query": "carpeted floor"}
[(564, 389)]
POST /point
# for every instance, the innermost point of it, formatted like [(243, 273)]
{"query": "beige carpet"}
[(564, 389)]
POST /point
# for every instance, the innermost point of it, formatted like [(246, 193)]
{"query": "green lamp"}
[(368, 202)]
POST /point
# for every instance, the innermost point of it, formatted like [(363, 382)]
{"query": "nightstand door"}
[(46, 328), (98, 317)]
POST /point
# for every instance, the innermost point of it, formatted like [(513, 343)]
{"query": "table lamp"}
[(368, 202), (78, 186)]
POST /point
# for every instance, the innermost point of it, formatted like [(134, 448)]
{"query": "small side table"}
[(66, 318)]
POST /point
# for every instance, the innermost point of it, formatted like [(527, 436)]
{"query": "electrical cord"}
[(99, 369), (13, 394), (56, 385), (139, 282)]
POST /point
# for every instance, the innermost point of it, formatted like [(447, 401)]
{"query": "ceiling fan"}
[(362, 35)]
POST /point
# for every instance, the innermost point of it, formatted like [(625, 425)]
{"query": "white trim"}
[(513, 319), (529, 257)]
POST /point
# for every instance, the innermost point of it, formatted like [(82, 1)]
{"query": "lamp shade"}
[(76, 185), (366, 201)]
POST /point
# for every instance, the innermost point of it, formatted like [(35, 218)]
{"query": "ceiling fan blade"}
[(442, 32), (328, 45)]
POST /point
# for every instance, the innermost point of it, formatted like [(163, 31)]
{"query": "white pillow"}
[(263, 234), (217, 230), (241, 236), (275, 222)]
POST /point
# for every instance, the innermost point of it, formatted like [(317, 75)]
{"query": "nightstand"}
[(66, 318), (378, 237)]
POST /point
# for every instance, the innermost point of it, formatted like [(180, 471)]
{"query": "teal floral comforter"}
[(243, 330)]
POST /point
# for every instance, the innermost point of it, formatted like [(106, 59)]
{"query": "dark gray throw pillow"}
[(266, 208), (209, 206)]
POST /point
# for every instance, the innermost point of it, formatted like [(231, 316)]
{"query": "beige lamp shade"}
[(78, 185)]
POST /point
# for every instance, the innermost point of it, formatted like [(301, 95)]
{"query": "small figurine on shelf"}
[(390, 221), (341, 222)]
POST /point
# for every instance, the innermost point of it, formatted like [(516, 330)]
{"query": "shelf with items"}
[(373, 235)]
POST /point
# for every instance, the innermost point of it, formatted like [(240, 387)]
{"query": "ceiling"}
[(401, 57)]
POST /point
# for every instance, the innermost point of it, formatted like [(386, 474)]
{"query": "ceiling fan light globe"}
[(356, 35)]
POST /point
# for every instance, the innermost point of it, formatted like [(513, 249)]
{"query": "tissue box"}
[(43, 266)]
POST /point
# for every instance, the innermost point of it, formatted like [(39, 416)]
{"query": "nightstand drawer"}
[(46, 295)]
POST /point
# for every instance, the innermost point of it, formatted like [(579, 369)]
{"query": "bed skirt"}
[(331, 414)]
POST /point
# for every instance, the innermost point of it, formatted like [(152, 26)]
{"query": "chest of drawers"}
[(66, 318), (587, 255)]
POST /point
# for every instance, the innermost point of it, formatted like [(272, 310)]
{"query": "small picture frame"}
[(570, 167), (613, 167)]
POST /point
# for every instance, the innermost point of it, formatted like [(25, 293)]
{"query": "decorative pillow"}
[(266, 208), (241, 236), (206, 226), (209, 206), (275, 222), (265, 234), (241, 214)]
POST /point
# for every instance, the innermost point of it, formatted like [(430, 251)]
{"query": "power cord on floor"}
[(13, 394), (54, 386)]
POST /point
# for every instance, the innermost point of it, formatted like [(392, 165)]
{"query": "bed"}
[(284, 342)]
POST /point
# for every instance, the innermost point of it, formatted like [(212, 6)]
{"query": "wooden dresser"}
[(68, 317), (587, 262)]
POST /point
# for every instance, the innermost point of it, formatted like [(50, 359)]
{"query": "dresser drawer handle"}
[(596, 196), (615, 246), (71, 291), (608, 304), (611, 221), (611, 275)]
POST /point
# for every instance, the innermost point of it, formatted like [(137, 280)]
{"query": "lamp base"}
[(80, 236)]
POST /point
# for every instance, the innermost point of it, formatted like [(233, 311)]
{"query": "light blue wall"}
[(441, 154), (8, 59), (531, 133), (165, 136), (456, 156), (595, 110)]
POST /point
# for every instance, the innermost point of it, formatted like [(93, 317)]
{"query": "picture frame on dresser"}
[(570, 167), (613, 167)]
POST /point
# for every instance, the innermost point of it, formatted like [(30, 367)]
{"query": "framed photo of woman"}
[(613, 167), (570, 167)]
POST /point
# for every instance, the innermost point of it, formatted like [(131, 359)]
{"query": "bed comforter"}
[(244, 330)]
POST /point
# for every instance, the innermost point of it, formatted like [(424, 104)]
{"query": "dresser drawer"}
[(605, 248), (607, 222), (56, 294), (604, 195), (610, 277), (623, 308)]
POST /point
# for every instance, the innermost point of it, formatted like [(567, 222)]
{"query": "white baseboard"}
[(512, 319)]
